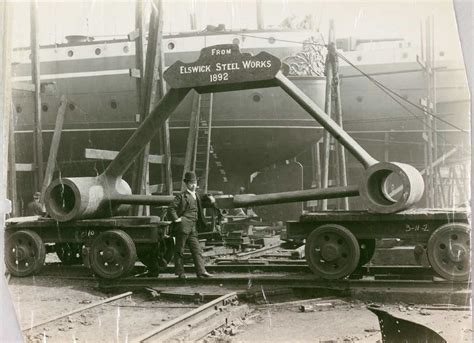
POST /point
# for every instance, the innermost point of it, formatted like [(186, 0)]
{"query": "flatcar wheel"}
[(69, 253), (112, 254), (24, 253), (332, 251), (367, 250), (449, 251)]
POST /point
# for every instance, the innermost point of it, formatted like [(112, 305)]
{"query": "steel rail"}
[(249, 266), (168, 329), (290, 280), (84, 308)]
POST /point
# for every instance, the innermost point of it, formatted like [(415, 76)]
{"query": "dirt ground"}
[(37, 299)]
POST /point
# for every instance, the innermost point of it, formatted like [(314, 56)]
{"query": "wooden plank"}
[(109, 155), (54, 147), (35, 73), (134, 34), (24, 167), (258, 251), (27, 87), (298, 253), (135, 73)]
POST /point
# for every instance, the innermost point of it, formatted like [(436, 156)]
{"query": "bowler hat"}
[(37, 195), (190, 176)]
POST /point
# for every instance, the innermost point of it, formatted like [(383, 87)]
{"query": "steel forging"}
[(322, 118), (375, 192), (373, 187), (91, 197), (84, 197), (107, 194), (134, 199), (247, 200), (145, 132)]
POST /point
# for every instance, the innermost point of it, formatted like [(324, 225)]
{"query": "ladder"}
[(202, 145)]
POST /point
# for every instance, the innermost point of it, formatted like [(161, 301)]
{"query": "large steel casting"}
[(105, 195), (92, 197)]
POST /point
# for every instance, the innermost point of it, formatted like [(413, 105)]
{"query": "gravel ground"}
[(39, 298)]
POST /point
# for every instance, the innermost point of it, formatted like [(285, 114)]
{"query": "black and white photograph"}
[(236, 171)]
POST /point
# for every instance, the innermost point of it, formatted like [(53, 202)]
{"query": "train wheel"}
[(332, 251), (24, 253), (69, 253), (367, 251), (449, 251), (112, 254)]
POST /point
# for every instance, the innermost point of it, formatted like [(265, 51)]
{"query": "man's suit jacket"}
[(177, 208)]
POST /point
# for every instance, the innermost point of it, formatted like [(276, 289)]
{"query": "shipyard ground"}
[(326, 319)]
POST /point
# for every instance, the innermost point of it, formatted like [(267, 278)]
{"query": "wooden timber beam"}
[(36, 76)]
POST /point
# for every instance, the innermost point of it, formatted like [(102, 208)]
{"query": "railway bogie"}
[(110, 247), (337, 242)]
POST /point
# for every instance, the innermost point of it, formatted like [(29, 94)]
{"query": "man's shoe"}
[(205, 275), (182, 276)]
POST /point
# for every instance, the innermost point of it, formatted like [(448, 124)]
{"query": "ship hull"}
[(251, 129)]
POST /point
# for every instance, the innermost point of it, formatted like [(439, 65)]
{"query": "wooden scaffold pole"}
[(151, 88), (35, 73), (327, 108)]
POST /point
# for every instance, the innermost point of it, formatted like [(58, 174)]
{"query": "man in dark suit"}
[(187, 215), (35, 208)]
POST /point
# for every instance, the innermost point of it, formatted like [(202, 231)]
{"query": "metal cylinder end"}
[(83, 197), (390, 187)]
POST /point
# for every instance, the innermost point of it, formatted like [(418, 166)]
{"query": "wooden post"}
[(140, 173), (35, 73), (429, 121), (7, 149), (196, 135), (54, 147), (165, 130), (260, 22), (13, 196), (208, 153), (192, 16), (341, 153), (327, 109), (317, 163), (438, 192), (152, 89)]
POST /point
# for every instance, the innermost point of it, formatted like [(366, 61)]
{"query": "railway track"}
[(415, 284), (198, 322), (78, 310), (367, 288), (188, 325), (400, 272)]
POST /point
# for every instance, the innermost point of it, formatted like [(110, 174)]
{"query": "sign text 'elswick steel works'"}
[(222, 65)]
